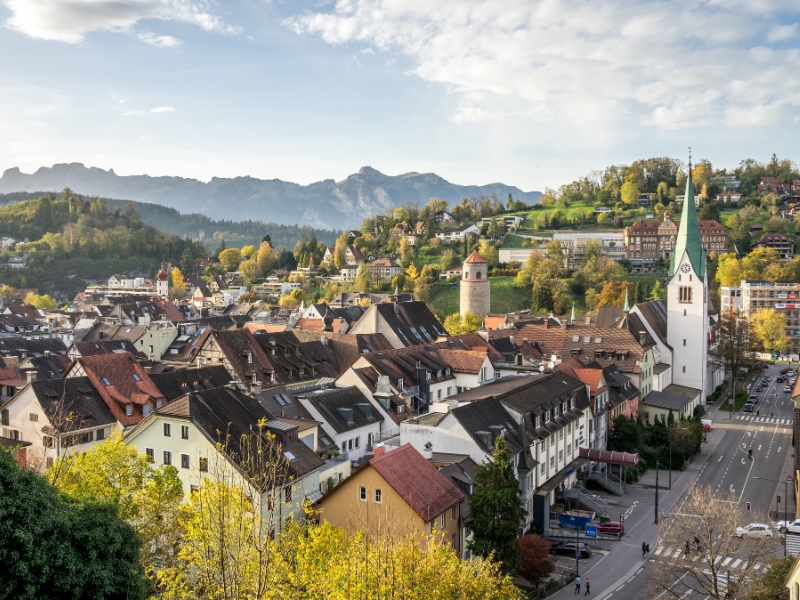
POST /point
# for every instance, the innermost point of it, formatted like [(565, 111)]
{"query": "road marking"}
[(640, 570), (759, 446), (629, 580), (620, 587), (659, 551), (720, 458), (736, 563), (727, 560), (716, 560)]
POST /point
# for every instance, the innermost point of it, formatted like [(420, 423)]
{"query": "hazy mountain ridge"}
[(325, 204)]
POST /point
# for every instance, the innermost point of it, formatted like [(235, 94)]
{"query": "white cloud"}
[(162, 109), (780, 33), (667, 64), (367, 51), (70, 20), (164, 41)]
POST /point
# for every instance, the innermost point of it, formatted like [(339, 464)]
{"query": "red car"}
[(614, 527)]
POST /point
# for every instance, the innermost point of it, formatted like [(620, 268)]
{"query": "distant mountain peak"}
[(324, 204)]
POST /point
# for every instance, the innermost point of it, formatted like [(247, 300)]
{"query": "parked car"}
[(753, 397), (758, 389), (614, 527), (787, 389), (754, 530), (779, 380), (793, 526), (569, 548)]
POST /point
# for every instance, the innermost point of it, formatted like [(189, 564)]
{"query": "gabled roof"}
[(74, 403), (174, 384), (463, 361), (223, 412), (342, 408), (412, 322), (119, 346), (419, 483), (122, 388), (483, 416)]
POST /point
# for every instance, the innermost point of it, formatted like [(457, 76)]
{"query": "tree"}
[(709, 517), (659, 291), (7, 292), (42, 302), (496, 509), (490, 252), (146, 497), (755, 263), (363, 280), (535, 556), (248, 251), (729, 270), (250, 271), (267, 258), (769, 331), (178, 284), (231, 258), (734, 344), (625, 435), (55, 547), (629, 192), (772, 584), (613, 293), (455, 324)]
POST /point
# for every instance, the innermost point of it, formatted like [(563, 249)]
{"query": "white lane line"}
[(736, 563), (620, 587), (659, 551), (640, 570), (727, 560)]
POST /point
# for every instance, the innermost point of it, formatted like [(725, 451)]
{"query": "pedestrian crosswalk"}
[(773, 420), (728, 563)]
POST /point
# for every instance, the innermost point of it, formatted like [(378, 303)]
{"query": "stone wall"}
[(475, 296)]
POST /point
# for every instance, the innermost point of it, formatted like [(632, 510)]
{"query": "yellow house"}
[(398, 491), (186, 433), (793, 580)]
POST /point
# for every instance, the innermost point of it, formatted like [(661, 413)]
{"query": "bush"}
[(536, 562)]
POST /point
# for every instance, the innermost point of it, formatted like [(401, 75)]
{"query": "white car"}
[(754, 530), (793, 526)]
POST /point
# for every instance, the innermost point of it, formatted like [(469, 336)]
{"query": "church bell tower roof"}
[(688, 239)]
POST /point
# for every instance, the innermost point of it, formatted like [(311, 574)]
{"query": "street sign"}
[(591, 531), (789, 478)]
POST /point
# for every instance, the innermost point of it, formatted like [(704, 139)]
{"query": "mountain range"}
[(325, 204)]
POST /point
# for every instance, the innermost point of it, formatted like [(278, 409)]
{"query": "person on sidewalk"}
[(587, 587), (578, 584), (647, 550), (644, 549)]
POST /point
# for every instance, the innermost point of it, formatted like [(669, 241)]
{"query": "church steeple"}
[(688, 239)]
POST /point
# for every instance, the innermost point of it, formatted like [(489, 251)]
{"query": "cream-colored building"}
[(185, 434)]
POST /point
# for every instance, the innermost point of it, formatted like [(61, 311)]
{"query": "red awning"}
[(610, 458)]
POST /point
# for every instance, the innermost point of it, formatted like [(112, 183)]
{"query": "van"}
[(707, 424)]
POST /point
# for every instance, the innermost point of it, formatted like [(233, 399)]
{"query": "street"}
[(622, 573)]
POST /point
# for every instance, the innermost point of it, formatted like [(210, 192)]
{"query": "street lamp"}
[(785, 506)]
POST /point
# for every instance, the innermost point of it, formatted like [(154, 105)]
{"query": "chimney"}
[(563, 325), (546, 323), (380, 450), (588, 320), (427, 451), (30, 376), (383, 386)]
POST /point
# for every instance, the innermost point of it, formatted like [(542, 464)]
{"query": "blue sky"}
[(530, 93)]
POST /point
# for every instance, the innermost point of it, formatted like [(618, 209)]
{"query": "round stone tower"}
[(475, 285)]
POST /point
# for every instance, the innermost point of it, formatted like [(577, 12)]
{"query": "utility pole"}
[(656, 492)]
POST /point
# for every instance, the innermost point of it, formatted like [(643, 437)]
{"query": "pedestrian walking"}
[(647, 550), (578, 584), (687, 547), (697, 544), (587, 587), (644, 549)]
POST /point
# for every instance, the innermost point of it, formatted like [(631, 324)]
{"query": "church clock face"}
[(686, 268)]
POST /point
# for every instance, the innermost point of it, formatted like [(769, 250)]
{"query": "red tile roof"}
[(463, 361), (420, 484), (475, 258)]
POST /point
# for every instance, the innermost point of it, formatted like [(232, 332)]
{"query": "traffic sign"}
[(789, 478), (591, 531)]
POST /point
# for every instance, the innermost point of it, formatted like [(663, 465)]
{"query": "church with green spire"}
[(687, 300)]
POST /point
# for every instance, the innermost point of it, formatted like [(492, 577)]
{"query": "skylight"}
[(136, 377), (106, 381)]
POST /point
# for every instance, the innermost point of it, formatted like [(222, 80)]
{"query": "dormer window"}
[(447, 371), (547, 417), (438, 374), (538, 421), (427, 375), (563, 407), (400, 383)]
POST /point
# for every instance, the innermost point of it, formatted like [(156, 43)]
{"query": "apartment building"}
[(783, 298)]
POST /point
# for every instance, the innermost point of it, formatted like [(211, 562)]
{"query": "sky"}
[(525, 92)]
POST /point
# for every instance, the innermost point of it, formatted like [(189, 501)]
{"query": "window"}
[(538, 422), (561, 434), (101, 434), (438, 394), (552, 462), (560, 455), (106, 381), (377, 496), (542, 469), (684, 369), (453, 540), (684, 294), (358, 440), (150, 452), (194, 489), (184, 461), (167, 430), (204, 465), (569, 449), (547, 417), (684, 342), (541, 447), (362, 493), (167, 457), (684, 312), (4, 416), (444, 518), (184, 432), (400, 383), (33, 417), (136, 377), (453, 513), (129, 410), (147, 409), (552, 440)]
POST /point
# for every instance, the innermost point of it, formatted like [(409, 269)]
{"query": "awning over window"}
[(610, 458)]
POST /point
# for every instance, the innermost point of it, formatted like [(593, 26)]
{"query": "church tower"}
[(162, 283), (475, 285), (687, 300)]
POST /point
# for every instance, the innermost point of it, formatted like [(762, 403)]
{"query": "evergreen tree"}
[(496, 509), (657, 292)]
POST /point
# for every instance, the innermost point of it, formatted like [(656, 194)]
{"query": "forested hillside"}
[(70, 239)]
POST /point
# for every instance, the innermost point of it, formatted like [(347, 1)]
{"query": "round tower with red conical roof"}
[(162, 282), (475, 293)]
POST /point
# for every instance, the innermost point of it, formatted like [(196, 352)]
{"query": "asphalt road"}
[(621, 574)]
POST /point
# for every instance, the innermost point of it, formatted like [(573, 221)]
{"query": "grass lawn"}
[(505, 297)]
